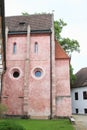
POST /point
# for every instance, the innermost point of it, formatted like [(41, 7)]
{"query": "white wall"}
[(81, 104)]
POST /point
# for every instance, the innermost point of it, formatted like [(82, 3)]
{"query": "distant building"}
[(79, 93), (37, 81), (2, 40)]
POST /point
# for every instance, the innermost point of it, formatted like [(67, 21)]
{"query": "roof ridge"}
[(30, 15)]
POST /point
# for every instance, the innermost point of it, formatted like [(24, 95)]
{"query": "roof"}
[(59, 52), (81, 78), (36, 22)]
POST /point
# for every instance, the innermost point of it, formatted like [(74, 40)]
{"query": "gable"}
[(59, 52)]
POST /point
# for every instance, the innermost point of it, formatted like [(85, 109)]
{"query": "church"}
[(36, 82)]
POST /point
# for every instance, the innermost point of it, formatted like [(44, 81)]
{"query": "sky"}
[(72, 12)]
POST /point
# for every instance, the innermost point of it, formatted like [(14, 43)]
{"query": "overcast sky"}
[(73, 12)]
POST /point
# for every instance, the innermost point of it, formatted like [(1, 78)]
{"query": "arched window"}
[(36, 47), (14, 48)]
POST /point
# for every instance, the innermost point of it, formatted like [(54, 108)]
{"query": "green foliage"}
[(58, 26), (67, 44), (10, 125), (3, 109), (72, 76), (25, 13), (70, 45), (60, 124)]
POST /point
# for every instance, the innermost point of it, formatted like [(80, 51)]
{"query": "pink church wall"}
[(62, 77), (21, 47), (38, 88), (12, 91), (63, 106), (13, 88), (63, 99)]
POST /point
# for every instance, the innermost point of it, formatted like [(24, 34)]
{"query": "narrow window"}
[(84, 95), (85, 110), (36, 47), (14, 48), (77, 110), (76, 96)]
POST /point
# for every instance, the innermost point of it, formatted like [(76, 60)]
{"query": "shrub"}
[(3, 109), (10, 125)]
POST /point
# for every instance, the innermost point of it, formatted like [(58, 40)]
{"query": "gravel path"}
[(80, 122)]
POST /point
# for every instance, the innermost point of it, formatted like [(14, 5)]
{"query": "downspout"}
[(26, 76), (3, 35), (4, 52), (3, 47)]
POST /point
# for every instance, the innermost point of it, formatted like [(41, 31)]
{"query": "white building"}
[(79, 93)]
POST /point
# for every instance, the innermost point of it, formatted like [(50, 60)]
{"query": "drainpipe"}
[(4, 57), (3, 48), (26, 76), (3, 34)]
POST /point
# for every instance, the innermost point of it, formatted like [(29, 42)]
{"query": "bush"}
[(10, 125), (3, 110)]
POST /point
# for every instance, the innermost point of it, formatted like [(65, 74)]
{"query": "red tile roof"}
[(59, 52)]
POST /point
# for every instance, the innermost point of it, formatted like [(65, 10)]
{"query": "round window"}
[(16, 74), (38, 73)]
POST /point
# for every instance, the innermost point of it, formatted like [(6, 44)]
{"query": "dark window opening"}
[(85, 110), (14, 48), (21, 23), (16, 74), (85, 95), (76, 96), (36, 47), (77, 110)]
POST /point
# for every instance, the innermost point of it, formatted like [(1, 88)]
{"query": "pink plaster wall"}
[(21, 47), (63, 106), (38, 88), (62, 77), (63, 97), (12, 92)]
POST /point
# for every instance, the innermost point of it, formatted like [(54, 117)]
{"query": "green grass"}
[(60, 124)]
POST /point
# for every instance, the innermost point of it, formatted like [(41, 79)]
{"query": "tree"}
[(25, 13), (68, 45), (3, 110), (58, 26)]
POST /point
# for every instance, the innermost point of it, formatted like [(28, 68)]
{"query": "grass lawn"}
[(60, 124)]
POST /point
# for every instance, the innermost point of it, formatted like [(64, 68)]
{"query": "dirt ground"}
[(80, 122)]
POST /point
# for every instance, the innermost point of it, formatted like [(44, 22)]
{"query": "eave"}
[(32, 32)]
